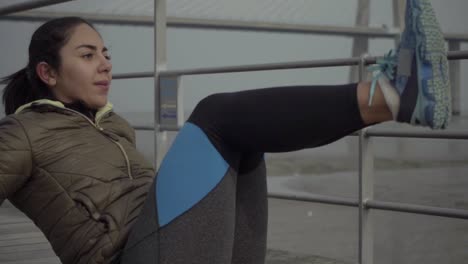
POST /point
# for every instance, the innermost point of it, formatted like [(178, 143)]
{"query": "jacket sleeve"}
[(15, 157)]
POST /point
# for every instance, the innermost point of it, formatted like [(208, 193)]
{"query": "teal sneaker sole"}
[(433, 107)]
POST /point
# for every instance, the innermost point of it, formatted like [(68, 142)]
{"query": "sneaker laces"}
[(384, 67)]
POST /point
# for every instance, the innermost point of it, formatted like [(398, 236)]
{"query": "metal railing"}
[(452, 55), (29, 5), (366, 157), (365, 202), (218, 24), (11, 13)]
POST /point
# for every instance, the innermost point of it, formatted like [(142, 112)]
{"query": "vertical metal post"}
[(455, 78), (360, 44), (399, 7), (366, 189), (160, 64)]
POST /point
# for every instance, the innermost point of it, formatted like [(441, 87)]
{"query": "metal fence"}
[(365, 202)]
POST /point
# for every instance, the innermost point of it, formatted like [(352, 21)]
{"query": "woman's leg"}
[(190, 215), (283, 119), (376, 113), (251, 211)]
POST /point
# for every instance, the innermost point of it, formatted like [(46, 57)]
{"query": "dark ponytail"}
[(17, 92), (25, 86)]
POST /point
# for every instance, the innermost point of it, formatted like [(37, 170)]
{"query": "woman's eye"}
[(88, 56), (108, 57)]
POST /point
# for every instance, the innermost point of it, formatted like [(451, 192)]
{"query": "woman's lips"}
[(105, 85)]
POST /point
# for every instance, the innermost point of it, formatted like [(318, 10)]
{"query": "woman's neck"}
[(79, 106)]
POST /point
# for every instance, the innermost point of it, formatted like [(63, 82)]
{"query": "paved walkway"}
[(403, 238), (21, 242)]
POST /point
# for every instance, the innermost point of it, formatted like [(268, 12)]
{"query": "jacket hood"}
[(101, 111)]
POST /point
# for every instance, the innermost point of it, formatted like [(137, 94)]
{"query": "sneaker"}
[(418, 71)]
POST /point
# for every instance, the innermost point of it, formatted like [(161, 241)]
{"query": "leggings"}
[(208, 202)]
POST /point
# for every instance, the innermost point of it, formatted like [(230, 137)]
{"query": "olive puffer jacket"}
[(82, 182)]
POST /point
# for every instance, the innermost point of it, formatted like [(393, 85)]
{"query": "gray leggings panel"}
[(228, 226)]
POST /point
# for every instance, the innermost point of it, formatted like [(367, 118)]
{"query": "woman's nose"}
[(106, 65)]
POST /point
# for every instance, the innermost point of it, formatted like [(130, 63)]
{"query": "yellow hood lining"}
[(101, 111)]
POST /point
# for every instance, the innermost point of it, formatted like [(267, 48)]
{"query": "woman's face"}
[(85, 70)]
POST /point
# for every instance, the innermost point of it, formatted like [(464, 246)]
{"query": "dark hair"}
[(25, 86)]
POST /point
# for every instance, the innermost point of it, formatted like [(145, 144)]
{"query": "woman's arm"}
[(15, 157)]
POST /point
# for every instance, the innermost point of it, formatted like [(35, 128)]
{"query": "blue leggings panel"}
[(190, 170)]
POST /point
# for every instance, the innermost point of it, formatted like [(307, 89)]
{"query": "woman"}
[(70, 163)]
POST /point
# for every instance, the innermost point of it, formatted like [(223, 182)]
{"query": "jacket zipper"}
[(101, 129)]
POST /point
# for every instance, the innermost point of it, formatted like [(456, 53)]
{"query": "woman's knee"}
[(210, 109)]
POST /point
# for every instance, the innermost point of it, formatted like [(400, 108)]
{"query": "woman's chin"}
[(97, 104)]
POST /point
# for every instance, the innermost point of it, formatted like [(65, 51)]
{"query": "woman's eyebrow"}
[(92, 47)]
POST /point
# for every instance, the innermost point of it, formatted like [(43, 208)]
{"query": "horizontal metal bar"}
[(370, 133), (134, 75), (355, 31), (34, 16), (456, 37), (452, 55), (433, 134), (417, 209), (169, 128), (457, 55), (289, 65), (243, 68), (316, 199), (177, 22), (265, 67), (144, 128), (281, 27), (374, 204), (28, 6), (162, 128)]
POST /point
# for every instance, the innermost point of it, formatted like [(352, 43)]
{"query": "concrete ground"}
[(332, 231), (301, 232), (21, 242)]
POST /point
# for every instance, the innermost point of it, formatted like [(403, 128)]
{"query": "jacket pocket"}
[(103, 221)]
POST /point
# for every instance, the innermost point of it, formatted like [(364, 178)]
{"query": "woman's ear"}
[(46, 73)]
